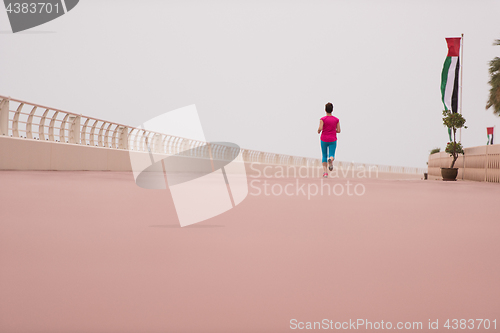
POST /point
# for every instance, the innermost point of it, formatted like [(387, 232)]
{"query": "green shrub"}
[(453, 121), (435, 150)]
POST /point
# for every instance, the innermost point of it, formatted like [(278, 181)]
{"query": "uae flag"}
[(489, 130), (449, 76)]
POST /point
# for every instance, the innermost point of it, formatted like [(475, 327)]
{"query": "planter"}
[(449, 173)]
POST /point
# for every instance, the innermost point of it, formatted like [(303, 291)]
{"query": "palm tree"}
[(494, 100)]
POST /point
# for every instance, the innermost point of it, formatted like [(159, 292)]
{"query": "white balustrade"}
[(480, 163), (21, 119)]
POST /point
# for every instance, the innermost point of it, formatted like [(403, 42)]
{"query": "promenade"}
[(93, 252)]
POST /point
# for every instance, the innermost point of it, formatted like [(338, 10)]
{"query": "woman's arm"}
[(338, 127), (320, 126)]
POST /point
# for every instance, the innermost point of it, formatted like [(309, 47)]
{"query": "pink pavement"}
[(92, 252)]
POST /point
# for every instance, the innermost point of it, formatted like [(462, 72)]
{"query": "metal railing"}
[(21, 119)]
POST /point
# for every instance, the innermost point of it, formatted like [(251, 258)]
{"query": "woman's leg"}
[(332, 147), (330, 158), (324, 146)]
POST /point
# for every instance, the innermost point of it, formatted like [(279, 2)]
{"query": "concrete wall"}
[(26, 154)]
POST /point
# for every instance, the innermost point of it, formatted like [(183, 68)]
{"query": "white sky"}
[(261, 71)]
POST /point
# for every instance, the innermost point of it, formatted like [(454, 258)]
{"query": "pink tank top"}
[(329, 133)]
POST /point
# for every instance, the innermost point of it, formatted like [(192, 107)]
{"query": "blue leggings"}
[(331, 147)]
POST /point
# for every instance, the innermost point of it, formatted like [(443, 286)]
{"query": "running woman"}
[(329, 126)]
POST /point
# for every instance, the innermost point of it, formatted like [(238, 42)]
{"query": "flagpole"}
[(461, 78)]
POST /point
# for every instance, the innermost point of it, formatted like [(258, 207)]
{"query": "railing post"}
[(100, 141), (4, 117), (15, 121), (157, 143), (62, 129), (29, 123), (106, 137), (486, 165), (41, 126), (83, 135), (115, 144), (74, 130), (463, 159), (51, 126), (123, 140)]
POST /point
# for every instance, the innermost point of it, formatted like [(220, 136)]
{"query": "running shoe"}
[(330, 163), (325, 175)]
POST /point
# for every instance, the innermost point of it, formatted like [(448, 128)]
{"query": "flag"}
[(489, 131), (449, 76)]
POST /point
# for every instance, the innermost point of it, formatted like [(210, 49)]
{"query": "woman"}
[(329, 126)]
